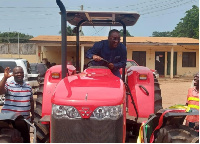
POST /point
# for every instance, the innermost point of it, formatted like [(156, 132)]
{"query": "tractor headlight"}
[(60, 111), (108, 112)]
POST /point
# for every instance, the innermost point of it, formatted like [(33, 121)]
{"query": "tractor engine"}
[(89, 107)]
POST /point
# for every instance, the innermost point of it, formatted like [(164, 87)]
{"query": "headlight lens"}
[(108, 112), (60, 111), (100, 113)]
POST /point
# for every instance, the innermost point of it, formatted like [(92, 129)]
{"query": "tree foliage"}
[(12, 37), (187, 27), (161, 34), (127, 33), (71, 31)]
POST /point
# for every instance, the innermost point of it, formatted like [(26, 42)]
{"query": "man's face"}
[(18, 74), (44, 61), (196, 81), (114, 39)]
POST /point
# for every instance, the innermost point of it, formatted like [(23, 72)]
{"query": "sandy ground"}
[(173, 91)]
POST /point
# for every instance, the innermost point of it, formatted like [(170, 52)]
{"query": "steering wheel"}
[(105, 61)]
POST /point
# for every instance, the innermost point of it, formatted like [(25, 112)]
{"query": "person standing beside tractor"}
[(46, 62), (18, 94), (193, 102), (111, 50)]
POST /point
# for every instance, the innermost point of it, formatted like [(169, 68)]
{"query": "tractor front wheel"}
[(176, 134)]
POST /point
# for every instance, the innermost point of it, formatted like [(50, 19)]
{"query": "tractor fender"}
[(50, 84), (142, 91), (10, 116)]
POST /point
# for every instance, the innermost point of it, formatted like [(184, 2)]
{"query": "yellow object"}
[(140, 137), (186, 108)]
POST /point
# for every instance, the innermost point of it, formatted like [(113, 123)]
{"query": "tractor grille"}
[(86, 131)]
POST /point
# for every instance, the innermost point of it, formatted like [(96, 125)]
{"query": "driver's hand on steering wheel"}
[(111, 66), (97, 58)]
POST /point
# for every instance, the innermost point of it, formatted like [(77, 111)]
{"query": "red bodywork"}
[(49, 86), (144, 103), (99, 85)]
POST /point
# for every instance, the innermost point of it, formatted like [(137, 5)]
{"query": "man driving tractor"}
[(111, 50)]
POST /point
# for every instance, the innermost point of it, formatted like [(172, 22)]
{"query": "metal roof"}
[(106, 18)]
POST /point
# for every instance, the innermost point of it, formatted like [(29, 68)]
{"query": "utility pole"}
[(18, 44)]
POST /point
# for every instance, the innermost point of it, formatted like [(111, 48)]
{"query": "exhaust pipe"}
[(64, 38)]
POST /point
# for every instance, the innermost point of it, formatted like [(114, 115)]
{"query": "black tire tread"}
[(176, 134), (42, 127), (38, 112), (157, 96), (10, 135), (42, 133), (39, 103)]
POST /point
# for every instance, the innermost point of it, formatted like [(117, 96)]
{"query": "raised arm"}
[(4, 79), (93, 53)]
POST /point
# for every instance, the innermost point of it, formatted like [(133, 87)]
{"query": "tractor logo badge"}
[(85, 111)]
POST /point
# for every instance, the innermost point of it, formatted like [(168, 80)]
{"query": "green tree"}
[(12, 37), (189, 25), (127, 33), (70, 31), (161, 34)]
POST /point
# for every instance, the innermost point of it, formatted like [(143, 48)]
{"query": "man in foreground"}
[(18, 94)]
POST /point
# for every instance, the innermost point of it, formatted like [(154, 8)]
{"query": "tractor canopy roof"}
[(104, 18)]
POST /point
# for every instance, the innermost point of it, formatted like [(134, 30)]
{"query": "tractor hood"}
[(92, 87)]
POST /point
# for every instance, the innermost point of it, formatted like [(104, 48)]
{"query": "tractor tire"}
[(176, 134), (157, 96), (42, 131), (10, 135)]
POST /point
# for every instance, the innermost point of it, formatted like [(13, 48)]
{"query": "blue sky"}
[(41, 17)]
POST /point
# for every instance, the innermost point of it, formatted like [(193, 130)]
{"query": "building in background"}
[(172, 56)]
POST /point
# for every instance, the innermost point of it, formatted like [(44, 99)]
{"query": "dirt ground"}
[(173, 91)]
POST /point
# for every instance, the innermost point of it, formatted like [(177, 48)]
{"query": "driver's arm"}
[(94, 52)]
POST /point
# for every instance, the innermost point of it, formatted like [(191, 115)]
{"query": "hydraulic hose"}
[(129, 93)]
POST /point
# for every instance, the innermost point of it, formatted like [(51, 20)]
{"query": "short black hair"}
[(111, 31), (18, 67)]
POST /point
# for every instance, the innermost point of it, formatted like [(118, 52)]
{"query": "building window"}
[(189, 59), (139, 57)]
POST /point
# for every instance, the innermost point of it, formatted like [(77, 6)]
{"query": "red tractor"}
[(94, 105)]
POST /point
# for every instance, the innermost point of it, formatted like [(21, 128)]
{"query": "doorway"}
[(160, 62)]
